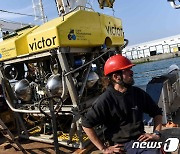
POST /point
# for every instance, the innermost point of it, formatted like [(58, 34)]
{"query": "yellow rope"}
[(75, 138)]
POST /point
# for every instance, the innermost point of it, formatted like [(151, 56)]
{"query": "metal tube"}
[(64, 92), (69, 81), (22, 111), (10, 104), (8, 101), (34, 111), (49, 140), (28, 111), (85, 80), (54, 127)]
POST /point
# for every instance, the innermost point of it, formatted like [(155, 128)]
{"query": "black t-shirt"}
[(121, 113)]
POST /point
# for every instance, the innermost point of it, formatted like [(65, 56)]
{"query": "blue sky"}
[(143, 20)]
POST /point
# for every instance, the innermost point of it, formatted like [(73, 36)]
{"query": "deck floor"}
[(33, 147)]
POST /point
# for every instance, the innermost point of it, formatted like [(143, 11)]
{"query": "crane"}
[(65, 6)]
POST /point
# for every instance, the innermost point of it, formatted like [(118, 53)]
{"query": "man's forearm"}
[(158, 122), (94, 138)]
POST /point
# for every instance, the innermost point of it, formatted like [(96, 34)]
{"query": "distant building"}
[(7, 27), (147, 49)]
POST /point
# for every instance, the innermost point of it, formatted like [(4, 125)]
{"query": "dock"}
[(157, 57)]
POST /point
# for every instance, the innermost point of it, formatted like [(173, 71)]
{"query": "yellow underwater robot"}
[(79, 29), (52, 73)]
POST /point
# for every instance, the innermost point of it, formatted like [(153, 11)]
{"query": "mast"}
[(65, 6), (39, 11)]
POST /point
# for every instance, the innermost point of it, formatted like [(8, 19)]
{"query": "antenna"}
[(39, 11)]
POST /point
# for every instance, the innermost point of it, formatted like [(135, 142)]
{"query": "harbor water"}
[(144, 72)]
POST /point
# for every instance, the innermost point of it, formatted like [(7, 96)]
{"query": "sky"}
[(143, 20)]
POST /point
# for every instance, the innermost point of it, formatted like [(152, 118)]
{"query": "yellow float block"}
[(77, 29), (15, 45)]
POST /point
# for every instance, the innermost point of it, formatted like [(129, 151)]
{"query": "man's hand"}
[(148, 137), (113, 149)]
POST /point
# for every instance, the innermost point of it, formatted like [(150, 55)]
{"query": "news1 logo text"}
[(170, 145)]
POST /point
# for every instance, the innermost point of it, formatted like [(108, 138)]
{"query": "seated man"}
[(120, 109)]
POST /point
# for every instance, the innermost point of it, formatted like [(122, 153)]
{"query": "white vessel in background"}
[(165, 91)]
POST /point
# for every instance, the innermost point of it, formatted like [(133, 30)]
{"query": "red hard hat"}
[(116, 63)]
